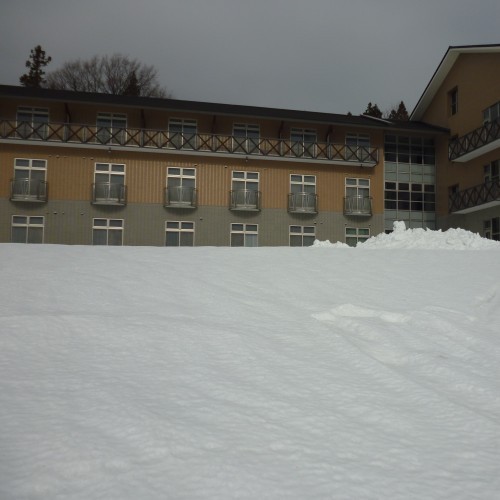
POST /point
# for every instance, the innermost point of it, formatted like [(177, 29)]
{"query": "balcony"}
[(244, 200), (475, 198), (28, 190), (108, 193), (476, 143), (217, 144), (180, 197), (303, 203), (358, 205)]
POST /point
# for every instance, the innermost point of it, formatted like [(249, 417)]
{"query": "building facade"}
[(82, 168), (463, 96)]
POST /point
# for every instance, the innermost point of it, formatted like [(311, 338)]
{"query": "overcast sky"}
[(318, 55)]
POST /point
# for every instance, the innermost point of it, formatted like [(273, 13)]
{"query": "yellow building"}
[(83, 168), (463, 96)]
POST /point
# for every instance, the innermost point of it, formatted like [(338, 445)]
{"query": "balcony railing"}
[(108, 193), (180, 197), (358, 205), (244, 199), (475, 198), (303, 203), (28, 190), (475, 143), (200, 143)]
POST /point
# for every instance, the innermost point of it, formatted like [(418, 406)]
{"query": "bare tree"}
[(116, 74)]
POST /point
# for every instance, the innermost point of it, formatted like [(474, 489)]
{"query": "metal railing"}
[(357, 205), (203, 143), (28, 190), (482, 136), (244, 199), (180, 197), (475, 196), (109, 193), (303, 203)]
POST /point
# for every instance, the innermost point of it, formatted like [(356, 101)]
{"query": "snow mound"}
[(452, 239)]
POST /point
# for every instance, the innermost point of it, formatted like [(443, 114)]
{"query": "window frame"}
[(185, 137), (246, 232), (299, 233), (492, 171), (28, 224), (112, 129), (303, 142), (453, 101), (107, 228), (32, 128), (180, 231), (246, 138), (491, 228), (355, 236)]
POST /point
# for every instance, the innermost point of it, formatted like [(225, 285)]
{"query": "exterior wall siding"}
[(70, 223)]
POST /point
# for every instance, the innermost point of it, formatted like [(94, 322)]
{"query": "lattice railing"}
[(206, 143), (475, 196), (476, 139)]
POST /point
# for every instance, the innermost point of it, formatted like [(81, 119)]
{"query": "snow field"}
[(270, 373)]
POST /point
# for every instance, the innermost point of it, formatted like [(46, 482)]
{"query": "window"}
[(303, 142), (27, 229), (244, 190), (29, 179), (357, 196), (413, 196), (302, 183), (111, 128), (181, 186), (182, 134), (491, 228), (355, 235), (453, 101), (302, 236), (357, 147), (492, 113), (302, 197), (109, 183), (491, 172), (179, 234), (413, 150), (244, 235), (107, 232), (246, 138), (357, 187), (32, 123)]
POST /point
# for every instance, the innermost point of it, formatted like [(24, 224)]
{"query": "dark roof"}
[(69, 96)]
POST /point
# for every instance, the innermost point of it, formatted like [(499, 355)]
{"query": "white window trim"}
[(181, 175), (107, 228), (180, 230), (301, 233), (245, 231), (28, 224)]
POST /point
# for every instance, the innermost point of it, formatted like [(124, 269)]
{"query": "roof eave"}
[(442, 71)]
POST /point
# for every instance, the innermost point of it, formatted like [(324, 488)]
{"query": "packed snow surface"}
[(252, 373)]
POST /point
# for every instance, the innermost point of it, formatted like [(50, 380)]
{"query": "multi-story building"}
[(83, 168), (463, 96)]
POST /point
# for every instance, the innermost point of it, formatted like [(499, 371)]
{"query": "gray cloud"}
[(319, 55)]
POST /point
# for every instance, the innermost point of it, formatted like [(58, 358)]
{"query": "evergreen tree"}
[(133, 87), (399, 114), (36, 62), (373, 110)]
